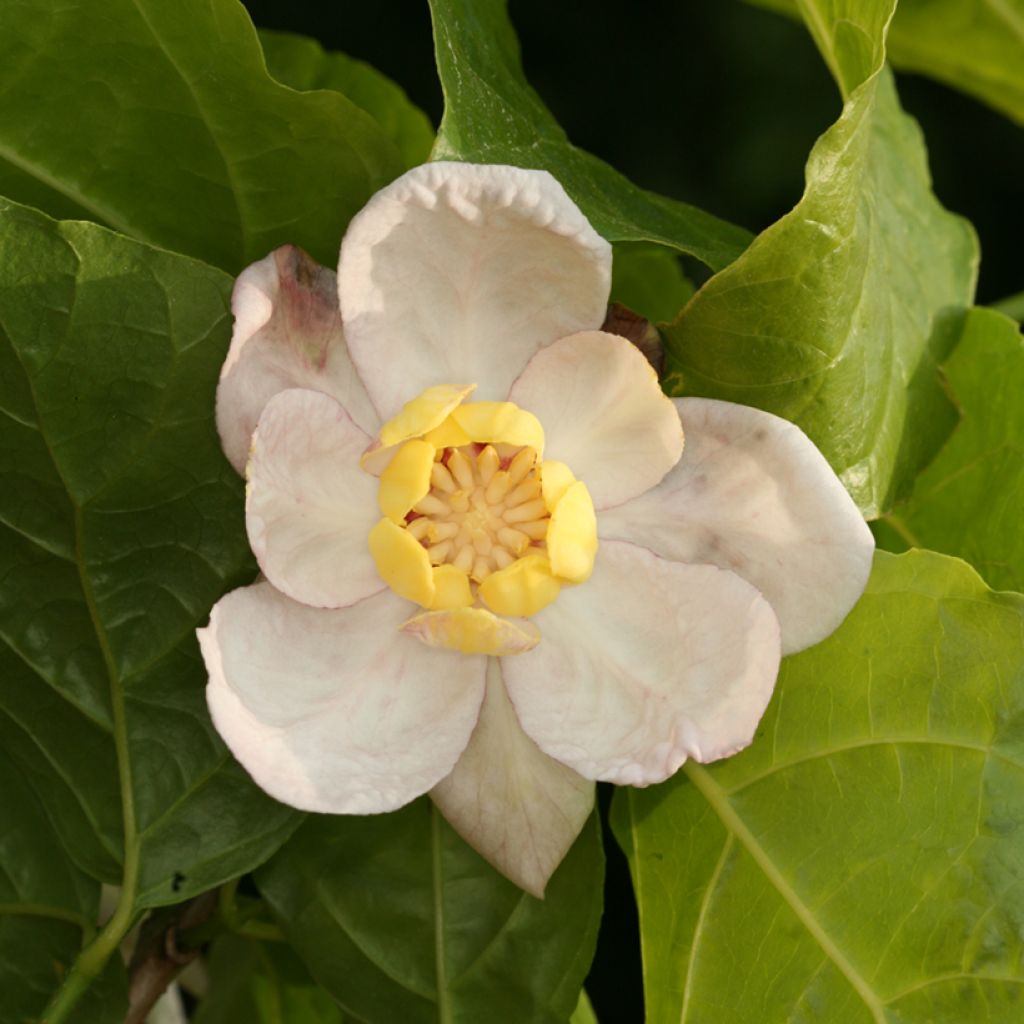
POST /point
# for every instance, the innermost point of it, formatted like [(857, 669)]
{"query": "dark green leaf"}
[(970, 501), (160, 120), (649, 280), (48, 906), (863, 860), (302, 63), (119, 528), (492, 115), (256, 983), (837, 315), (401, 921)]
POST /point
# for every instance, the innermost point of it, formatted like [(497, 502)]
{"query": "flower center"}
[(484, 509)]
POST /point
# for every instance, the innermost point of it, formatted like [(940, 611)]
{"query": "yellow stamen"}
[(406, 480), (402, 562), (522, 589), (572, 535)]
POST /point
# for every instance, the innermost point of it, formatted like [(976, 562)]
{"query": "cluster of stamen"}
[(484, 509)]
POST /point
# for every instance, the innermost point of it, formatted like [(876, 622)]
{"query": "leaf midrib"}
[(734, 824)]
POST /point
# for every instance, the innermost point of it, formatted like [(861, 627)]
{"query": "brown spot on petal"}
[(308, 304), (641, 332)]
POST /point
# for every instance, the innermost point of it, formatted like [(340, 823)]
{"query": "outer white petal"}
[(458, 273), (309, 507), (752, 494), (604, 414), (336, 710), (518, 808), (646, 664), (287, 335)]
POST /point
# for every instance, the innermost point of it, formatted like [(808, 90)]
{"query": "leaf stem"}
[(89, 964)]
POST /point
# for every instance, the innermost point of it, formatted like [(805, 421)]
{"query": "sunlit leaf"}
[(838, 314), (862, 860), (970, 500)]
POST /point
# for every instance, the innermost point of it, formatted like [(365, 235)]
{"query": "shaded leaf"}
[(160, 120), (118, 531), (863, 860), (649, 280), (838, 314), (970, 501), (48, 908), (261, 983), (492, 115), (302, 63), (401, 921)]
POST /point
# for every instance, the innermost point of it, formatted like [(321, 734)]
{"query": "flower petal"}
[(309, 507), (473, 631), (518, 808), (752, 494), (460, 272), (287, 335), (604, 414), (335, 710), (646, 664)]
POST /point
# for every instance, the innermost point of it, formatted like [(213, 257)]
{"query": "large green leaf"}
[(973, 45), (837, 315), (970, 500), (863, 860), (401, 921), (302, 63), (492, 115), (160, 120), (119, 528)]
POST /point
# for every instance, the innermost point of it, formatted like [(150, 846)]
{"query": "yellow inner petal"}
[(572, 534), (402, 562), (521, 589), (451, 588), (555, 479), (500, 423), (424, 412), (406, 479), (473, 631)]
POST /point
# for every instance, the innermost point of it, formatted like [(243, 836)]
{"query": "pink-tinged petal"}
[(287, 335), (335, 710), (518, 808), (604, 414), (309, 507), (459, 272), (646, 664), (752, 494)]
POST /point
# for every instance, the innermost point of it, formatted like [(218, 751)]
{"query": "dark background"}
[(713, 102)]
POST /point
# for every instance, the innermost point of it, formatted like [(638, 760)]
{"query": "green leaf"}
[(969, 501), (48, 908), (401, 921), (838, 314), (584, 1012), (261, 983), (160, 120), (649, 280), (861, 861), (492, 115), (302, 64), (118, 530), (972, 45)]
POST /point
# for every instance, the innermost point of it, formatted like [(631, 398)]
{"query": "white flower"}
[(340, 692)]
